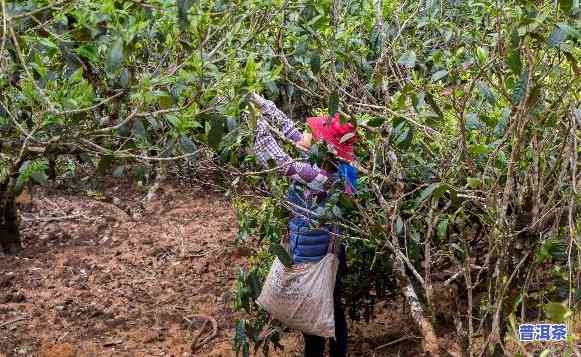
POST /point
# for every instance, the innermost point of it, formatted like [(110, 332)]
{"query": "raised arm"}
[(277, 118), (266, 148)]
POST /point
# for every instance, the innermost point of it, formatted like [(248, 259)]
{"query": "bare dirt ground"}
[(104, 275)]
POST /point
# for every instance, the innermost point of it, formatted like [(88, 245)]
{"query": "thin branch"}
[(36, 11), (118, 155), (87, 109), (401, 339), (123, 122), (429, 131), (274, 169), (144, 4), (173, 110), (51, 219), (412, 16), (10, 322), (30, 76), (14, 120), (3, 29), (394, 245)]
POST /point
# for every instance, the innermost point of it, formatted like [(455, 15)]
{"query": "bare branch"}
[(36, 11), (88, 109)]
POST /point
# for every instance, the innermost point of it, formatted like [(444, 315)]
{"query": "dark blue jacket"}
[(307, 244)]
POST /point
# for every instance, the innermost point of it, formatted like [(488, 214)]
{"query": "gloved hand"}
[(306, 141)]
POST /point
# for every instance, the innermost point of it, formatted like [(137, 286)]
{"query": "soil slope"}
[(104, 274)]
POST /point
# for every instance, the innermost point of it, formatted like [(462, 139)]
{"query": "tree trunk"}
[(9, 230), (52, 167), (430, 342)]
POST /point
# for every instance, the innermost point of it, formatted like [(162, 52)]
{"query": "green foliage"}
[(473, 99), (333, 103), (408, 59), (281, 253), (241, 341), (30, 173), (551, 248), (4, 170), (216, 132), (557, 312), (457, 82)]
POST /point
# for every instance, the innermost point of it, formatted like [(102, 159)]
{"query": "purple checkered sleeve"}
[(277, 118), (267, 148)]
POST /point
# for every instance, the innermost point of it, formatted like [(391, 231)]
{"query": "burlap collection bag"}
[(301, 296)]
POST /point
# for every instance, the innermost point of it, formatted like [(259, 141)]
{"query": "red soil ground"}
[(104, 275)]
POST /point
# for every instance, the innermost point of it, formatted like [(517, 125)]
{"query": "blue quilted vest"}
[(307, 244)]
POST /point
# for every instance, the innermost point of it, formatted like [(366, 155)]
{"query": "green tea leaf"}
[(138, 128), (418, 100), (139, 173), (500, 127), (442, 229), (216, 132), (479, 149), (253, 284), (116, 54), (566, 5), (39, 177), (337, 212), (439, 75), (432, 102), (408, 59), (173, 120), (482, 55), (557, 37), (426, 192), (168, 148), (402, 133), (346, 201), (518, 91), (473, 182), (119, 171), (47, 43), (19, 185), (89, 52), (278, 250), (183, 9), (241, 341), (315, 62), (124, 78), (187, 145), (472, 122), (570, 30), (556, 312), (333, 103), (514, 61), (514, 39), (441, 189), (376, 122), (301, 48), (486, 93)]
